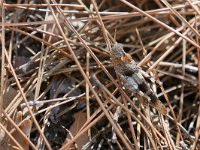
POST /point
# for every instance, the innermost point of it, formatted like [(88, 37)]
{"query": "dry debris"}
[(67, 83)]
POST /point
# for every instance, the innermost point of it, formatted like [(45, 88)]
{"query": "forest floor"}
[(61, 88)]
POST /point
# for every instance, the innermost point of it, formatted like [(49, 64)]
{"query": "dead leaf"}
[(80, 119), (9, 95), (26, 129)]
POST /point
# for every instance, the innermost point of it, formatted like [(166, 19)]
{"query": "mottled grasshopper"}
[(134, 78)]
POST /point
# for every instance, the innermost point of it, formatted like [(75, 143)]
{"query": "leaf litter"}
[(66, 84)]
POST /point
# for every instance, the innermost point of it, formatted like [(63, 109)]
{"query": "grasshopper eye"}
[(129, 57), (126, 58)]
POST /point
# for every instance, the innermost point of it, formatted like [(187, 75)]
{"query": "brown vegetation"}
[(59, 89)]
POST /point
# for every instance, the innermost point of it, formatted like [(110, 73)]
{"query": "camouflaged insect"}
[(133, 77)]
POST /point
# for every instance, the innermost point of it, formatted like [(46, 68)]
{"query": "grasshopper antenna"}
[(115, 32), (113, 40)]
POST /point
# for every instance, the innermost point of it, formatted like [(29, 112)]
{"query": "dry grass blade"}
[(3, 71)]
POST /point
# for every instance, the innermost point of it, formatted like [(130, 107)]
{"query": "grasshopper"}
[(134, 78)]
